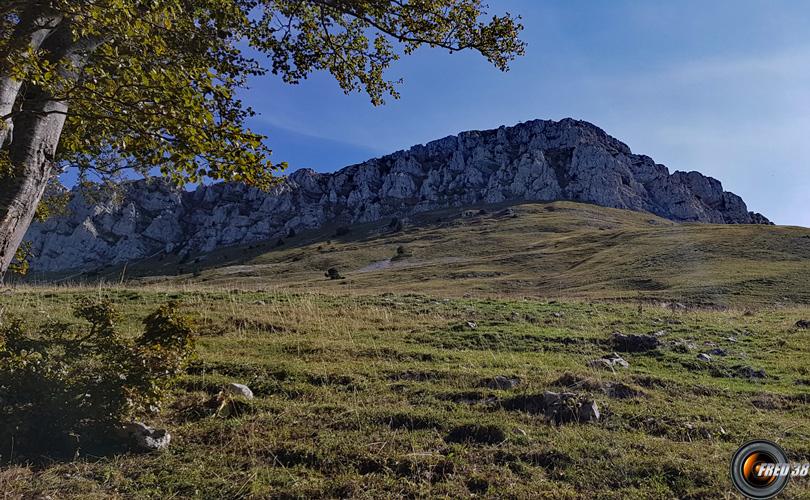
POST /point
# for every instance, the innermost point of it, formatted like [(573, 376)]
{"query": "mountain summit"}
[(538, 160)]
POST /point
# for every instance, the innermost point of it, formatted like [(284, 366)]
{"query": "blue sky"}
[(722, 87)]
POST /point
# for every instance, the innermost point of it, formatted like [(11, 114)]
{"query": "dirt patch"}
[(415, 376), (476, 433), (412, 422), (470, 397), (571, 381), (375, 266), (547, 459)]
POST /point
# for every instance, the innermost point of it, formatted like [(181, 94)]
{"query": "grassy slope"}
[(357, 394), (359, 381), (548, 250)]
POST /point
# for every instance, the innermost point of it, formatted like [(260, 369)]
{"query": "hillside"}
[(532, 249)]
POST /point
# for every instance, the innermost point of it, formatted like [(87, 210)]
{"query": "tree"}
[(113, 86)]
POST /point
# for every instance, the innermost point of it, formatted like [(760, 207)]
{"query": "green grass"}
[(363, 394), (560, 249)]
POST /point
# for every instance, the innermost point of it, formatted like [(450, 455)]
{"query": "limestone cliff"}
[(536, 160)]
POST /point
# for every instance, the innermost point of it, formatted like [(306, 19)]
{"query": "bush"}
[(402, 252), (333, 274), (63, 386)]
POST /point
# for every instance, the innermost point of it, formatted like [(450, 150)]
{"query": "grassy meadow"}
[(381, 384), (385, 395), (560, 249)]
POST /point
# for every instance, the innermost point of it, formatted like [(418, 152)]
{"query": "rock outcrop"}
[(532, 161)]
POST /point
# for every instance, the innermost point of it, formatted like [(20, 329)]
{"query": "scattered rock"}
[(557, 408), (634, 343), (237, 390), (718, 352), (472, 325), (618, 361), (610, 362), (567, 407), (500, 382), (704, 357), (803, 324), (145, 438), (683, 346), (558, 314)]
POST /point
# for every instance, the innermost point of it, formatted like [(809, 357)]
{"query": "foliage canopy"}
[(156, 84)]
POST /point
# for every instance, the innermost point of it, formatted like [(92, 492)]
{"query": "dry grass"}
[(357, 396)]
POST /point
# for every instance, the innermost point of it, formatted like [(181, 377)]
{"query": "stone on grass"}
[(704, 357), (609, 362), (567, 407), (237, 390), (501, 382), (472, 325), (145, 438), (803, 324)]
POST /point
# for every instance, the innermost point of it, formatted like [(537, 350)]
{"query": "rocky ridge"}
[(532, 161)]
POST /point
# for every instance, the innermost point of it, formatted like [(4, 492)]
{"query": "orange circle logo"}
[(758, 469)]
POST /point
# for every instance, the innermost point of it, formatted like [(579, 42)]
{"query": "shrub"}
[(65, 385), (333, 274), (402, 252)]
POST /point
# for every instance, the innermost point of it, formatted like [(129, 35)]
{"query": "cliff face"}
[(537, 160)]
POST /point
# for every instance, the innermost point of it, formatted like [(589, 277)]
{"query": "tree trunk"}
[(37, 128), (32, 155), (32, 30)]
